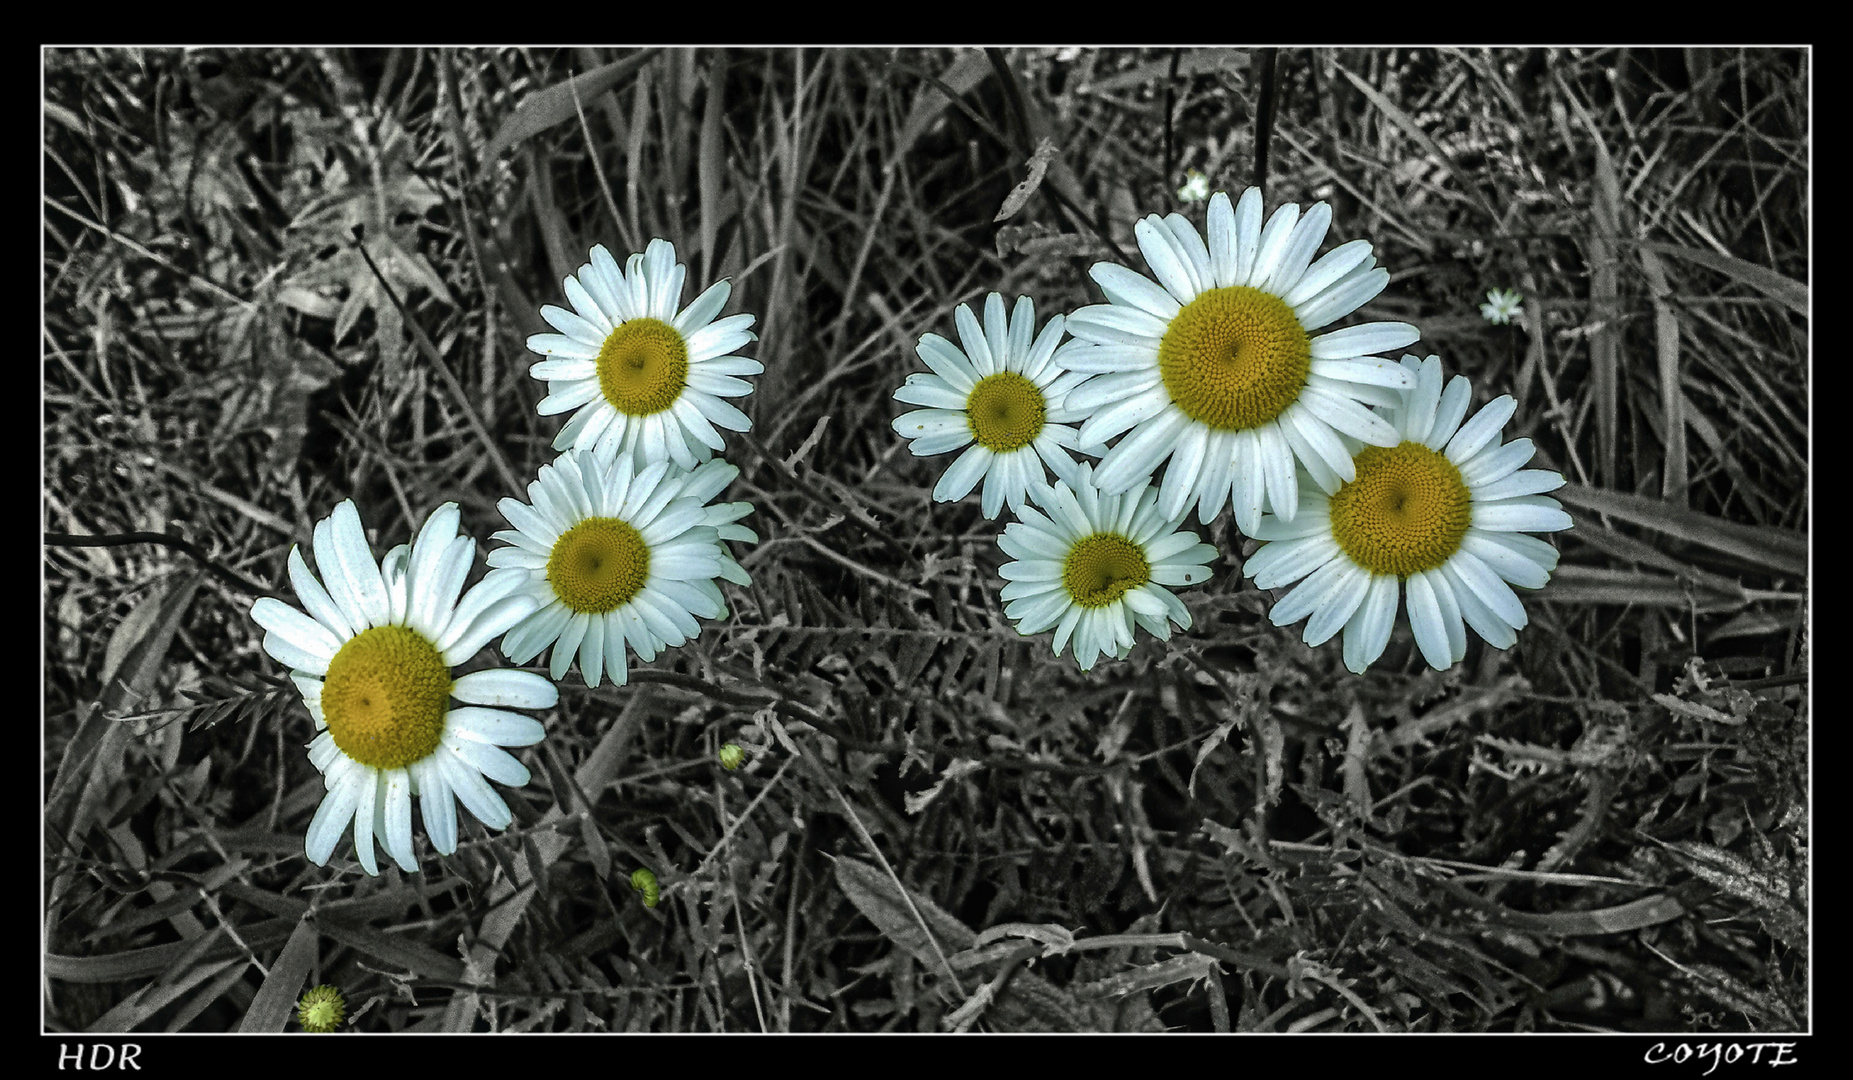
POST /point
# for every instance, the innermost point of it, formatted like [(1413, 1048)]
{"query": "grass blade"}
[(554, 105), (1781, 288), (270, 1009), (1779, 551)]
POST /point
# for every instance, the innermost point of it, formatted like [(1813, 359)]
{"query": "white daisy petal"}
[(333, 816), (1448, 412), (1526, 513), (1302, 245), (1274, 237), (292, 626), (1125, 287), (501, 686), (1350, 293), (1369, 630), (1482, 429), (1363, 339), (1330, 267), (436, 805), (493, 726)]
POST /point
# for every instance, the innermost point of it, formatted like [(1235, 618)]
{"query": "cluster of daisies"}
[(1363, 477), (618, 549)]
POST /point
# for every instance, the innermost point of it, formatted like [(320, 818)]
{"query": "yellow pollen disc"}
[(1235, 358), (1406, 511), (1102, 567), (643, 367), (385, 697), (598, 565), (1005, 411)]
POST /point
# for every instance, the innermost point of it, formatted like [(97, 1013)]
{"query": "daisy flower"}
[(645, 379), (1092, 566), (1196, 187), (1217, 368), (1004, 393), (1501, 307), (1445, 511), (611, 553), (373, 659)]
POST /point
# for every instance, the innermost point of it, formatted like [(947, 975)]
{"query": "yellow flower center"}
[(598, 565), (1005, 411), (385, 697), (643, 366), (1235, 358), (1102, 567), (1406, 511)]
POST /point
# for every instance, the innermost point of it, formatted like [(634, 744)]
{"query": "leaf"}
[(1764, 890), (134, 1010), (1038, 165), (966, 72), (1187, 967), (959, 767), (1634, 915), (1193, 62), (1781, 288), (1673, 478), (874, 894), (1604, 585), (135, 963), (400, 952), (135, 652), (270, 1007), (1697, 711), (1781, 551), (545, 108)]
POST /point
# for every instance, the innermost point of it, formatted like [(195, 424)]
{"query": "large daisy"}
[(1444, 513), (645, 378), (1003, 395), (613, 554), (1093, 566), (1217, 366), (373, 659)]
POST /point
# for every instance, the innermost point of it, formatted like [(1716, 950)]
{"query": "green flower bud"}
[(732, 757), (321, 1009)]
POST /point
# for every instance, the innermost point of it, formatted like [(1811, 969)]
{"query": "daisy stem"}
[(1268, 70), (229, 576)]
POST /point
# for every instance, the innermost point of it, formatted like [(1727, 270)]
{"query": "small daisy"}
[(1093, 565), (612, 554), (373, 659), (1196, 187), (1218, 369), (1445, 510), (644, 378), (1501, 307), (1002, 392)]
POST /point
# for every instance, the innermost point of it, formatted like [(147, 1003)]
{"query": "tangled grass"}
[(277, 279)]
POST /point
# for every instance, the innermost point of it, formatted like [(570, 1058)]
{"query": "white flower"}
[(612, 554), (373, 659), (1092, 566), (645, 379), (1501, 307), (1218, 369), (1196, 187), (1002, 392), (1445, 510)]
